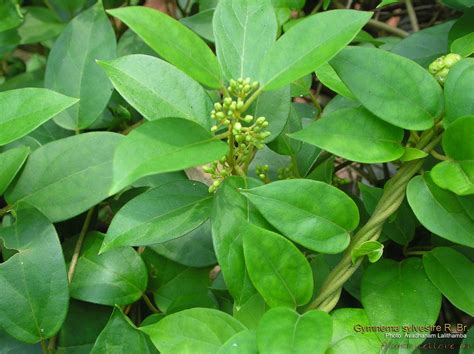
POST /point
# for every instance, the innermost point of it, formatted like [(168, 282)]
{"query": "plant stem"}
[(439, 156), (149, 304), (251, 99), (393, 196), (412, 16), (44, 347), (387, 28), (315, 102), (77, 248), (5, 210)]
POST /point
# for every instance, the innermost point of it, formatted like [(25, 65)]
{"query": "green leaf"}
[(463, 46), (372, 249), (229, 212), (201, 23), (453, 274), (458, 92), (278, 270), (10, 15), (425, 46), (117, 277), (292, 4), (250, 312), (283, 144), (11, 345), (387, 2), (275, 107), (83, 324), (67, 9), (442, 212), (400, 294), (329, 78), (245, 31), (289, 206), (120, 336), (461, 34), (26, 109), (174, 42), (11, 162), (164, 145), (244, 342), (157, 89), (355, 134), (459, 4), (468, 343), (129, 43), (411, 154), (66, 177), (319, 38), (72, 69), (302, 86), (37, 272), (457, 174), (285, 331), (40, 25), (159, 215), (176, 287), (347, 337), (197, 330), (393, 88), (194, 249)]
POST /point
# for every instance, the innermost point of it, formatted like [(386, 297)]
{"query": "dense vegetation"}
[(236, 176)]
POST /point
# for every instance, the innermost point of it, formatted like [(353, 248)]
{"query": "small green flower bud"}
[(248, 118), (226, 121), (237, 126), (247, 81), (240, 104), (255, 85), (260, 120), (217, 106), (248, 138), (227, 101), (220, 115), (451, 59), (437, 65), (214, 128), (233, 106), (261, 176), (232, 83), (264, 124)]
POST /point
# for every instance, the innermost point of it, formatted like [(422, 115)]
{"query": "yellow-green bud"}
[(220, 115), (214, 128), (451, 59), (217, 106), (248, 118)]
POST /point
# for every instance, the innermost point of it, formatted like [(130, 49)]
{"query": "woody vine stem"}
[(393, 196)]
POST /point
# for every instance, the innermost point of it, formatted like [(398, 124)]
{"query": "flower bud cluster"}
[(242, 87), (440, 67), (286, 172), (262, 173), (245, 133)]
